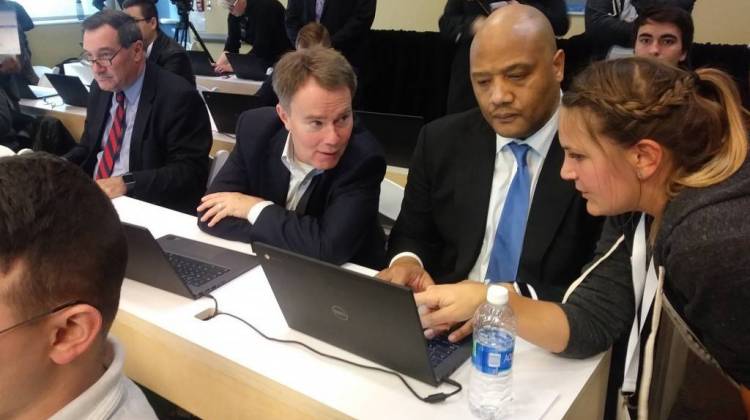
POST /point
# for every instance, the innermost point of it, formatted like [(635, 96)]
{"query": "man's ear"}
[(647, 156), (72, 332), (283, 116), (558, 65)]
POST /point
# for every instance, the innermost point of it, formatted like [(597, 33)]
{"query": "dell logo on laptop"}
[(340, 312)]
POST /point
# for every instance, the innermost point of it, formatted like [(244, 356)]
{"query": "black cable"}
[(431, 399)]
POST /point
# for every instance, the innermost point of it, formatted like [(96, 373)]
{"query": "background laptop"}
[(364, 315), (247, 66), (226, 108), (27, 91), (179, 265), (201, 63), (70, 88), (396, 133)]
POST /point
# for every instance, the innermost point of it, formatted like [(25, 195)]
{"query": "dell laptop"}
[(363, 315), (201, 62), (246, 66), (396, 133), (179, 265), (226, 108), (70, 88)]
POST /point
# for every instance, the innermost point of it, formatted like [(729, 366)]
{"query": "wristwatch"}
[(129, 181)]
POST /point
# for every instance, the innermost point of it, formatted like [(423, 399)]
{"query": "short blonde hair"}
[(325, 65)]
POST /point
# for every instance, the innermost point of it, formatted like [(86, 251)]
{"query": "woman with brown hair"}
[(663, 152)]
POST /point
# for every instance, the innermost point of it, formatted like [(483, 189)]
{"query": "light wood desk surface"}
[(220, 369)]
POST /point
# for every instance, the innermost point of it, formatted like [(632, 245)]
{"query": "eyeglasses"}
[(42, 315), (104, 61)]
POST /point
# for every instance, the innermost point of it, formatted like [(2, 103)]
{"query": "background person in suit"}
[(147, 132), (310, 35), (160, 48), (458, 24), (484, 199), (302, 176), (348, 22), (62, 261), (260, 23)]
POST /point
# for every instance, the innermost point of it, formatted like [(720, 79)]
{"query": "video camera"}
[(183, 6)]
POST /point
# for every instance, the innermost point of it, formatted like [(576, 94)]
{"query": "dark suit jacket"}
[(348, 22), (336, 219), (262, 26), (170, 142), (170, 56), (444, 213), (455, 26)]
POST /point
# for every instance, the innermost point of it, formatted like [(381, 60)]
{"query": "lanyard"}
[(644, 290)]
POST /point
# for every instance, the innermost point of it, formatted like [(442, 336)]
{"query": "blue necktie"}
[(506, 250), (319, 9)]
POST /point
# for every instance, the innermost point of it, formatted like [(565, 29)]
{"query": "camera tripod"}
[(184, 26)]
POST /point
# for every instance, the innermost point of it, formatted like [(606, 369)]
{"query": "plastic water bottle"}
[(491, 379)]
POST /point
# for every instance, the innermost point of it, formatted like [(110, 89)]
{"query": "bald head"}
[(516, 70), (519, 22)]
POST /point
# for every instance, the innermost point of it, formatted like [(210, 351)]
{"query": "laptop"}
[(363, 315), (27, 91), (179, 265), (226, 108), (201, 63), (396, 133), (70, 88), (247, 66)]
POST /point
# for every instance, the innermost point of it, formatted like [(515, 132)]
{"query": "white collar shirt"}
[(113, 396)]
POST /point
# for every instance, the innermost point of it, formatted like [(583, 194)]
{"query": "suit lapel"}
[(99, 117), (305, 199), (278, 184), (549, 206), (473, 184), (142, 116)]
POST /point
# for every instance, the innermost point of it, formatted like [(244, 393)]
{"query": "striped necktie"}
[(114, 140)]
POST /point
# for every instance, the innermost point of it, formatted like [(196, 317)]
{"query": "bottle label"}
[(492, 360)]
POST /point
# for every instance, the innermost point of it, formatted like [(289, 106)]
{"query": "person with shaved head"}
[(484, 201)]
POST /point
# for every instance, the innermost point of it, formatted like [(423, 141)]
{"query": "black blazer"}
[(348, 22), (262, 26), (444, 213), (169, 145), (170, 56), (336, 219)]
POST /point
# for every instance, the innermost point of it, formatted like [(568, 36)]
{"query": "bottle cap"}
[(497, 295)]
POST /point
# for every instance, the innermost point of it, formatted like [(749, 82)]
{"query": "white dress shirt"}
[(112, 397), (300, 177), (132, 98), (505, 169)]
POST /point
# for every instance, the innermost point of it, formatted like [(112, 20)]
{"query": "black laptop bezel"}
[(70, 88), (402, 346)]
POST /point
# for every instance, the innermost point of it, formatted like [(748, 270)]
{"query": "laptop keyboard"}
[(195, 273), (439, 349)]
